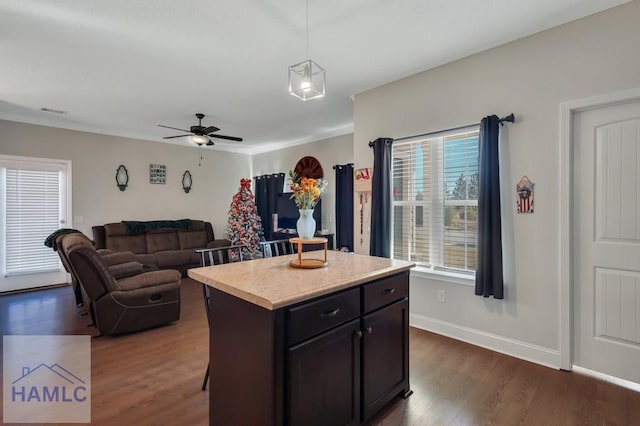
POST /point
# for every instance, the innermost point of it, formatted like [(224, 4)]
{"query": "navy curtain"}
[(489, 279), (380, 244), (267, 188), (344, 206)]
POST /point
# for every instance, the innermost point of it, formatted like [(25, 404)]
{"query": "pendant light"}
[(307, 78)]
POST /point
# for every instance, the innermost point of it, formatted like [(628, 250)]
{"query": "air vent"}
[(53, 111)]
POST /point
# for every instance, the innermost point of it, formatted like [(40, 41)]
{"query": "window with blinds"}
[(435, 200), (32, 212)]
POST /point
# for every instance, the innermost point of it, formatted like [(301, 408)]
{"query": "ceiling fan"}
[(201, 135)]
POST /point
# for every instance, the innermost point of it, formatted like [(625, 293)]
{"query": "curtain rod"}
[(509, 119), (342, 165)]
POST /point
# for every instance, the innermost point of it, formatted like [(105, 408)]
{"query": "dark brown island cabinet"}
[(334, 359), (347, 355)]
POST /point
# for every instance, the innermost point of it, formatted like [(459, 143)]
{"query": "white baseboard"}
[(516, 348)]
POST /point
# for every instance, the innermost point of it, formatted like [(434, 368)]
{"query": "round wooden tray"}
[(308, 263)]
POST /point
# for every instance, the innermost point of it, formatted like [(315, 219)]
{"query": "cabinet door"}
[(385, 356), (323, 378)]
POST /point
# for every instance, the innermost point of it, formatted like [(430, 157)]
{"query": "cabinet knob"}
[(389, 290), (369, 330), (359, 334), (330, 314)]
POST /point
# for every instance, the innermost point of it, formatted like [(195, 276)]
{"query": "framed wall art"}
[(157, 173), (524, 190)]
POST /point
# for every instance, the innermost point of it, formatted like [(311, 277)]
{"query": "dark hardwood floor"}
[(154, 377)]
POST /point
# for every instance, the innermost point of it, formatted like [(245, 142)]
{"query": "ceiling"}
[(122, 67)]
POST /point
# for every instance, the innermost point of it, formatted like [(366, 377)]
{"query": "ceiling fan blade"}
[(230, 138), (210, 143), (209, 129), (178, 136), (174, 128)]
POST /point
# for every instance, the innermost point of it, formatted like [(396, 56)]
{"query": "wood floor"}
[(154, 377)]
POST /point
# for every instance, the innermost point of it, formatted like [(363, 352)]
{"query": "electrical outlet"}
[(442, 296)]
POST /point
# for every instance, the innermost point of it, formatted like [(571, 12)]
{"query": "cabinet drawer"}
[(385, 291), (314, 317)]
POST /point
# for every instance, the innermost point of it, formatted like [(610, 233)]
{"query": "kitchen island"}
[(306, 346)]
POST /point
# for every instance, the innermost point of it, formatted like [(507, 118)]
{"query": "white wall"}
[(529, 77), (329, 152), (95, 158)]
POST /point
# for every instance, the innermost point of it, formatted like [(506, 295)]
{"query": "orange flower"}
[(306, 191)]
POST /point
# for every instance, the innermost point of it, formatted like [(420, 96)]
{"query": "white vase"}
[(306, 224)]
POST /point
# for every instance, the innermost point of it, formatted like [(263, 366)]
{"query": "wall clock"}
[(309, 167)]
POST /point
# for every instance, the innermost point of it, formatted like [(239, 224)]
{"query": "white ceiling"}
[(121, 67)]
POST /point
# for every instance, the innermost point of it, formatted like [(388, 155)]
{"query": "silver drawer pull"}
[(331, 314), (389, 290)]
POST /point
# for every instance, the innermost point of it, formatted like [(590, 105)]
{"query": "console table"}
[(307, 346)]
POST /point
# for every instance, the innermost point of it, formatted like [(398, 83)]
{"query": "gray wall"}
[(95, 159), (329, 152), (530, 77)]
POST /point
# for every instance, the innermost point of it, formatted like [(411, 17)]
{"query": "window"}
[(435, 200), (32, 213)]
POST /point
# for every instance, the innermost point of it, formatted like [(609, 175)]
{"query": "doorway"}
[(35, 200), (600, 315)]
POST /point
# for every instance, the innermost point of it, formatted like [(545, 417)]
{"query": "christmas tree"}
[(244, 227)]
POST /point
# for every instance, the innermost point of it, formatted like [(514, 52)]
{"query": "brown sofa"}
[(168, 244)]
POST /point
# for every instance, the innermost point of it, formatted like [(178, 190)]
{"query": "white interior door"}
[(606, 240)]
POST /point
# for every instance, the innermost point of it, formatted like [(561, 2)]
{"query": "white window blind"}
[(435, 200), (32, 213)]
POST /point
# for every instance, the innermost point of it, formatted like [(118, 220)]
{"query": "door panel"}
[(385, 355), (35, 273), (323, 379), (606, 240), (617, 302)]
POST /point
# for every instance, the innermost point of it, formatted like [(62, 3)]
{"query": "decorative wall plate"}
[(309, 167)]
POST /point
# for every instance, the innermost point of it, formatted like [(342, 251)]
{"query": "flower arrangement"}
[(306, 191)]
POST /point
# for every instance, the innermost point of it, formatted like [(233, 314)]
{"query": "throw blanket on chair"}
[(134, 227), (50, 241)]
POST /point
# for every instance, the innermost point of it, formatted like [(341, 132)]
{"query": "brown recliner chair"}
[(121, 265), (129, 304), (77, 291)]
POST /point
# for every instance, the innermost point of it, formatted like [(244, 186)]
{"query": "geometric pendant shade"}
[(307, 80)]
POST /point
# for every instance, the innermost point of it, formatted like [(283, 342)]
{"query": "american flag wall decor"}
[(524, 189)]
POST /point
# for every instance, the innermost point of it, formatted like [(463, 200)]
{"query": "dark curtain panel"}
[(275, 183), (267, 188), (344, 206), (489, 281), (380, 244), (260, 192)]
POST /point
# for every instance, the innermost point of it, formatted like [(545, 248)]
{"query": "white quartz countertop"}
[(272, 283)]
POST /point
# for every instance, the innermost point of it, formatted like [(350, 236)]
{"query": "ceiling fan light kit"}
[(199, 139), (199, 134), (307, 78)]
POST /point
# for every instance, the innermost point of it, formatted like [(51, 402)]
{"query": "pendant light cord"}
[(307, 27)]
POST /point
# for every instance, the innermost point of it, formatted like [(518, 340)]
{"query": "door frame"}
[(68, 182), (567, 112)]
